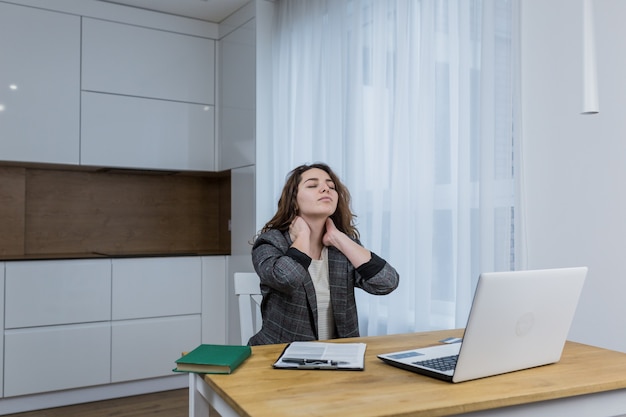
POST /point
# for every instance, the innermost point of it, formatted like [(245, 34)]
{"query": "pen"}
[(304, 361)]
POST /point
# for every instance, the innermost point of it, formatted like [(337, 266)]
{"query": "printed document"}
[(320, 355)]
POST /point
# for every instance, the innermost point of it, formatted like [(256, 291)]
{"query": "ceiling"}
[(209, 10)]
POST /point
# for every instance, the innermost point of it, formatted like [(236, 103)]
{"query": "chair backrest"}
[(248, 292)]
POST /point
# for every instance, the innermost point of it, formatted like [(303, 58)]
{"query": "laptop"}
[(518, 320)]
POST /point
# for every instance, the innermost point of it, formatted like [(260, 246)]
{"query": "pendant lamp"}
[(590, 73)]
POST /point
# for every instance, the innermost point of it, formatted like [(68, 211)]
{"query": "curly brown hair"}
[(288, 209)]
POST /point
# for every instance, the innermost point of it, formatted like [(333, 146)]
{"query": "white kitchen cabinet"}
[(131, 60), (237, 61), (57, 325), (148, 348), (147, 98), (86, 322), (156, 287), (132, 132), (157, 306), (43, 359), (2, 333), (44, 293), (214, 300), (39, 85)]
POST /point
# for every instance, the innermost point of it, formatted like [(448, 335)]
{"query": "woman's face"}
[(316, 196)]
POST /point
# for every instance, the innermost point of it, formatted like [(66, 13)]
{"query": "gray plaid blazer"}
[(289, 306)]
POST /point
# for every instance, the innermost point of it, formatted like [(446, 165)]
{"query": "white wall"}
[(574, 165)]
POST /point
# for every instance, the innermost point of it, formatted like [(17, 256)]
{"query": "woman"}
[(309, 259)]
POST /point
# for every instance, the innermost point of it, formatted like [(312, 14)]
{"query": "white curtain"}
[(412, 103)]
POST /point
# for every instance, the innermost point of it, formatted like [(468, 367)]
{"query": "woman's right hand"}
[(299, 228)]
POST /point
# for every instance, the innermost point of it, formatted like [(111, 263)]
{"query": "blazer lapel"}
[(309, 288), (337, 267)]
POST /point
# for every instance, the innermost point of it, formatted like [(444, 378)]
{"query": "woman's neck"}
[(318, 228)]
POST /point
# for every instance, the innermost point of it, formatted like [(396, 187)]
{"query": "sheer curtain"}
[(412, 103)]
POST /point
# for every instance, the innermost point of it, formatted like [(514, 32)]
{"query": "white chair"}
[(249, 296)]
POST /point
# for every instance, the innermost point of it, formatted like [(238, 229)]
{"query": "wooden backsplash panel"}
[(12, 201), (113, 213)]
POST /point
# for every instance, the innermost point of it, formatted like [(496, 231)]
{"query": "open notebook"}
[(518, 320)]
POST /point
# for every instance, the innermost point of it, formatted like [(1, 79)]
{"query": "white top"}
[(319, 274)]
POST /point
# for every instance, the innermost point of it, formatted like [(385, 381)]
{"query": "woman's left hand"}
[(330, 232), (356, 253)]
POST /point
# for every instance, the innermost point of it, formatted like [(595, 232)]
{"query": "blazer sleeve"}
[(275, 267), (377, 276)]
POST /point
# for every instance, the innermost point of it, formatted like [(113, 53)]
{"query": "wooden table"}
[(587, 382)]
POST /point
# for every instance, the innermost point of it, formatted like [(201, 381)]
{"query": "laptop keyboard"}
[(443, 364)]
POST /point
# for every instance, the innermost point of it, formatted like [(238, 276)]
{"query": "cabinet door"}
[(42, 293), (131, 60), (237, 60), (214, 300), (148, 348), (131, 132), (39, 85), (156, 287), (55, 358), (1, 321)]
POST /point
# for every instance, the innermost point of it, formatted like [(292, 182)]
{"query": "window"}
[(411, 103)]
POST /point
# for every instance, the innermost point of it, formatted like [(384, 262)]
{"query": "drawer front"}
[(1, 321), (133, 132), (148, 348), (41, 293), (131, 60), (62, 357), (156, 287)]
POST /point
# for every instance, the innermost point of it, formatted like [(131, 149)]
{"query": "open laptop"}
[(518, 320)]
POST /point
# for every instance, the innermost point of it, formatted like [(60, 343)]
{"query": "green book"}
[(213, 359)]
